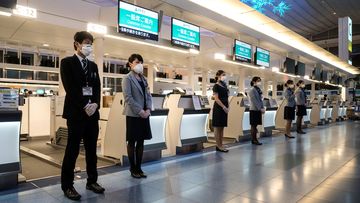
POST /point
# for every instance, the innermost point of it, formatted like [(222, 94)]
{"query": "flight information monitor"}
[(137, 21)]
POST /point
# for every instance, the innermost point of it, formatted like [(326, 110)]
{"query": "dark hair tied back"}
[(218, 74), (133, 57), (254, 80)]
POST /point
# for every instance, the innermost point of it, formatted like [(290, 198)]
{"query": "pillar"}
[(150, 77), (99, 60), (312, 94), (204, 82), (241, 82)]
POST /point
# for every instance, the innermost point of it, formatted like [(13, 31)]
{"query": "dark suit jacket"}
[(74, 79)]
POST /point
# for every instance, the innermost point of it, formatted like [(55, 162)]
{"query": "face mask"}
[(258, 84), (223, 78), (302, 85), (291, 86), (86, 49), (139, 68)]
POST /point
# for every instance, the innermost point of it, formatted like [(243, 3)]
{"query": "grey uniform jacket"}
[(290, 98), (134, 96), (300, 97), (256, 103)]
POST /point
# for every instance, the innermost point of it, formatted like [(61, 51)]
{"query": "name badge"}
[(87, 91)]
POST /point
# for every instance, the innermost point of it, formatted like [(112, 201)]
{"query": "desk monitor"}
[(158, 101), (204, 100), (266, 103), (273, 103), (186, 102), (245, 102)]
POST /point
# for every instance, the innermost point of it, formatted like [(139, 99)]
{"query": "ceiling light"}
[(275, 69), (25, 11), (4, 13), (146, 43), (100, 29), (194, 51), (106, 54), (218, 56), (46, 45), (306, 77)]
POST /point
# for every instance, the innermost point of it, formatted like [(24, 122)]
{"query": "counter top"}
[(160, 112), (193, 111), (10, 115)]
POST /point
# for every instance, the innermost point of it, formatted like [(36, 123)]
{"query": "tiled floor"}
[(321, 166)]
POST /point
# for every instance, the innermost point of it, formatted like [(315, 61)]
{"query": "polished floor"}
[(321, 166)]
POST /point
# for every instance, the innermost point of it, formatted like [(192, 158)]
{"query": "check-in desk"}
[(306, 119), (187, 128), (269, 117), (10, 123), (279, 116), (114, 141), (334, 116), (328, 109), (244, 119), (234, 130), (342, 111)]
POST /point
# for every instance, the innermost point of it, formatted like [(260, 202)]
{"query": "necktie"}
[(84, 63)]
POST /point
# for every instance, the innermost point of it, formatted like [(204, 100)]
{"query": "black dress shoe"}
[(256, 142), (72, 194), (301, 132), (289, 136), (95, 188), (135, 174), (142, 174), (221, 150)]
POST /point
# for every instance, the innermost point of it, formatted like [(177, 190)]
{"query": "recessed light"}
[(46, 45), (334, 13), (106, 54)]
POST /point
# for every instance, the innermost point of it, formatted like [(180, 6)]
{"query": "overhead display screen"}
[(137, 21), (262, 57), (289, 66), (185, 34), (242, 51), (300, 69)]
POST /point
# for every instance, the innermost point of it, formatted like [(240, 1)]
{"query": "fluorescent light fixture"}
[(4, 13), (262, 67), (218, 56), (306, 77), (275, 69), (46, 45), (244, 15), (146, 43), (106, 54), (95, 28), (194, 51), (25, 11)]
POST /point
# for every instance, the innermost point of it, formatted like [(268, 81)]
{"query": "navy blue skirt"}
[(289, 113), (138, 129)]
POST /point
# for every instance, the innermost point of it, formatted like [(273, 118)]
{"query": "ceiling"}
[(311, 17)]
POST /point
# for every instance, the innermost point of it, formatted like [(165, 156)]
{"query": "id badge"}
[(87, 91)]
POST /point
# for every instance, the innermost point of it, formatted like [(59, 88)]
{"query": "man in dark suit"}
[(81, 109)]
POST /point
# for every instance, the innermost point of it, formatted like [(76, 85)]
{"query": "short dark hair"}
[(289, 82), (299, 82), (81, 36), (218, 74), (133, 57), (254, 80)]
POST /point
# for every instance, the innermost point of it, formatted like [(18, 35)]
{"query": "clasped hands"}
[(144, 114), (90, 108)]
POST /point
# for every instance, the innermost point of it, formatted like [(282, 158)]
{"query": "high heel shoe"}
[(300, 132), (142, 174), (135, 174), (256, 142), (221, 150), (289, 136)]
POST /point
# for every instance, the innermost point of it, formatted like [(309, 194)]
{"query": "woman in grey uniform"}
[(256, 108), (300, 98), (289, 111)]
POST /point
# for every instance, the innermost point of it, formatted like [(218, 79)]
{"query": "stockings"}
[(253, 132), (135, 154)]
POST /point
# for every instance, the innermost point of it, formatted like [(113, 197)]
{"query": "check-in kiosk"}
[(114, 141), (279, 116), (335, 111), (326, 111), (306, 119), (187, 124), (269, 116), (10, 123), (342, 111), (317, 114), (234, 130)]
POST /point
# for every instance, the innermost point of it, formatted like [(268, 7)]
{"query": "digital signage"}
[(185, 34), (242, 51)]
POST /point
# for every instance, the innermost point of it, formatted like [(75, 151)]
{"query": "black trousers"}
[(87, 130)]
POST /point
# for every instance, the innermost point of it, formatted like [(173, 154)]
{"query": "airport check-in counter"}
[(342, 111), (269, 117), (326, 112), (245, 118), (114, 141), (334, 116), (187, 124), (306, 119)]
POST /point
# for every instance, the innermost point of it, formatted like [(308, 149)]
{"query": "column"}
[(312, 94), (99, 60), (62, 55), (241, 82), (150, 77), (204, 81)]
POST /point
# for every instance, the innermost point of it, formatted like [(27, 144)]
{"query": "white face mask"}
[(139, 68), (302, 85), (223, 78), (291, 86), (86, 49), (258, 84)]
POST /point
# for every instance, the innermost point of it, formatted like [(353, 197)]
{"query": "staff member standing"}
[(82, 85), (138, 102), (289, 111), (256, 108), (300, 98), (220, 109)]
